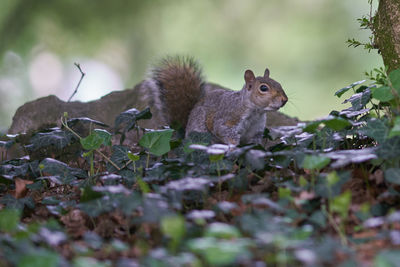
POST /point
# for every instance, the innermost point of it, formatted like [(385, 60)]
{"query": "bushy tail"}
[(180, 82)]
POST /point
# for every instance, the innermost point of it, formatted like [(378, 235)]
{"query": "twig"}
[(80, 80)]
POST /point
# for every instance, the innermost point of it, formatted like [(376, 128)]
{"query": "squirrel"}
[(177, 89)]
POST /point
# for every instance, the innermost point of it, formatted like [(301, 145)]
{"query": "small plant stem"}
[(64, 123), (147, 160), (314, 143), (126, 164), (92, 164), (335, 226), (108, 159), (79, 83)]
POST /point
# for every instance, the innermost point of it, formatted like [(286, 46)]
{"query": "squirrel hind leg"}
[(196, 121)]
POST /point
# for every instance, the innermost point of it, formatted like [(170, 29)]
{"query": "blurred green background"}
[(301, 42)]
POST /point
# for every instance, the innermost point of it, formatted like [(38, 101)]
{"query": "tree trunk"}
[(386, 29)]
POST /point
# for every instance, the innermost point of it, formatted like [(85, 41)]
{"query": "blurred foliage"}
[(302, 42)]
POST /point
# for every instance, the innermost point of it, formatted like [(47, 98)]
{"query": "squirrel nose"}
[(284, 100)]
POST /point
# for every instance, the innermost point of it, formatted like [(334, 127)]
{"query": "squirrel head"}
[(265, 92)]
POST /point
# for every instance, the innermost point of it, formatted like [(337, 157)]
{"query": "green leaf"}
[(383, 93), (312, 162), (9, 219), (340, 92), (375, 129), (395, 131), (387, 258), (337, 123), (389, 149), (302, 181), (89, 262), (57, 138), (341, 204), (359, 100), (130, 117), (332, 122), (58, 168), (173, 227), (133, 157), (41, 258), (311, 127), (220, 252), (284, 193), (92, 142), (144, 187), (222, 230), (216, 157), (105, 135), (332, 178), (392, 175), (89, 194), (394, 77), (157, 141)]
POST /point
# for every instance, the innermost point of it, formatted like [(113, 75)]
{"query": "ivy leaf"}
[(9, 219), (157, 141), (89, 194), (392, 175), (332, 122), (105, 135), (62, 170), (340, 92), (312, 162), (55, 137), (345, 157), (337, 123), (133, 157), (312, 127), (375, 129), (220, 252), (389, 149), (130, 117), (222, 230), (341, 204), (173, 227), (7, 144), (395, 131), (359, 100), (92, 142), (39, 258), (394, 77), (383, 93), (387, 257), (13, 203)]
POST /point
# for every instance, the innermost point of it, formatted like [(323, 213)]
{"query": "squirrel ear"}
[(249, 76), (266, 73)]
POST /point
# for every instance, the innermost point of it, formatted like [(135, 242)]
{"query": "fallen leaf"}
[(20, 187)]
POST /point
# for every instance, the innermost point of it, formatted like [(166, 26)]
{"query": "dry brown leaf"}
[(75, 222), (20, 187)]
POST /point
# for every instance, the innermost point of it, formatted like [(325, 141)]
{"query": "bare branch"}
[(80, 80)]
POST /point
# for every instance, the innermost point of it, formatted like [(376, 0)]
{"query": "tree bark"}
[(386, 30)]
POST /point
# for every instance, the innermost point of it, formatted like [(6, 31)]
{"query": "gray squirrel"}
[(177, 89)]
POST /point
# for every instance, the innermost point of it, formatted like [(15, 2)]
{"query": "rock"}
[(47, 111)]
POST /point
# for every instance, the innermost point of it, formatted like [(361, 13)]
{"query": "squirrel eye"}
[(263, 88)]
